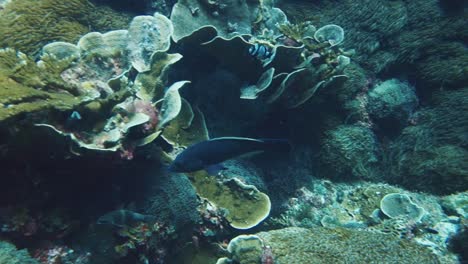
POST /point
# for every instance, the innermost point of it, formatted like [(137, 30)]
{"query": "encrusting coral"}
[(357, 245)]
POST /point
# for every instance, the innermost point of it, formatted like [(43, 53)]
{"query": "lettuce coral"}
[(28, 25)]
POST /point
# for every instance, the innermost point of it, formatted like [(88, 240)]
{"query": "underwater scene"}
[(233, 131)]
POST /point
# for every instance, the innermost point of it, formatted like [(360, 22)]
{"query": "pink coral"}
[(267, 255), (127, 152), (147, 108)]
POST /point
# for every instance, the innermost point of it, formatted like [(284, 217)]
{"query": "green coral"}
[(324, 245), (10, 255), (121, 113), (246, 206), (28, 25), (456, 204), (246, 249), (446, 64), (297, 32), (26, 87), (363, 201), (352, 150), (399, 205), (392, 100), (187, 128), (445, 168), (432, 155)]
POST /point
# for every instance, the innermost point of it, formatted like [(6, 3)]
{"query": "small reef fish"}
[(73, 120), (260, 51), (75, 116), (123, 218), (207, 154)]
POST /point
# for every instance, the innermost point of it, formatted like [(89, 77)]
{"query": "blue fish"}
[(260, 51), (209, 153)]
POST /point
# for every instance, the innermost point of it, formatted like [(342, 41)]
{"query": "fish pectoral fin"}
[(250, 154), (215, 169)]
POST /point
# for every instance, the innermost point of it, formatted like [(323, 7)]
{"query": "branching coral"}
[(26, 87)]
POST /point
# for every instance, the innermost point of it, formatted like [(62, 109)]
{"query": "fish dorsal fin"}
[(237, 138)]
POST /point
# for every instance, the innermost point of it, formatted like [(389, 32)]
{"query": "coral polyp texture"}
[(28, 25), (358, 246)]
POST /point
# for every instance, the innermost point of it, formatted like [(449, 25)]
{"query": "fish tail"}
[(276, 145)]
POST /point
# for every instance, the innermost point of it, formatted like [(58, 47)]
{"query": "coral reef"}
[(61, 254), (146, 36), (145, 240), (9, 254), (101, 76), (118, 88), (246, 206), (416, 37), (417, 218), (392, 102), (245, 249), (456, 204), (28, 88), (172, 200), (28, 25), (433, 147), (334, 245), (353, 150), (227, 17), (396, 205)]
